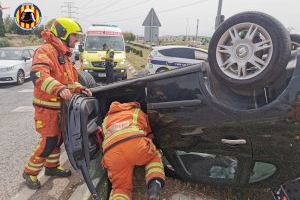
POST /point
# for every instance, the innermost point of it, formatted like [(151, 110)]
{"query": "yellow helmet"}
[(62, 27)]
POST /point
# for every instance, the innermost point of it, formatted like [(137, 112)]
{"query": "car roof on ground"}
[(176, 46)]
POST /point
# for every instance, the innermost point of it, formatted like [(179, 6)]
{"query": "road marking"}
[(25, 193), (23, 109), (26, 90)]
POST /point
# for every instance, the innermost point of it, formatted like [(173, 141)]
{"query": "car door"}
[(202, 141), (180, 57), (27, 62), (80, 121)]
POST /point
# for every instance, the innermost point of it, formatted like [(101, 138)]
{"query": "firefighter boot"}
[(57, 171), (31, 181), (154, 188)]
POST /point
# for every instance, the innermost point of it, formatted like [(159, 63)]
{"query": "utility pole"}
[(197, 29), (218, 18), (70, 9)]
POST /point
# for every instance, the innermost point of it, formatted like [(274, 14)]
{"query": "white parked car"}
[(164, 58), (15, 64)]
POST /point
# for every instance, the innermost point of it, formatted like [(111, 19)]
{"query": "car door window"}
[(262, 171), (186, 53), (26, 54), (31, 51), (208, 167)]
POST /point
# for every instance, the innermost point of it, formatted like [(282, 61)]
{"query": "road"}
[(17, 135)]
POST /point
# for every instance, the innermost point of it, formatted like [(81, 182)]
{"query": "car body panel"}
[(212, 135), (182, 56)]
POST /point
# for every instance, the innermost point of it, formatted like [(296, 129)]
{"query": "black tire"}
[(20, 77), (295, 41), (278, 60), (86, 79)]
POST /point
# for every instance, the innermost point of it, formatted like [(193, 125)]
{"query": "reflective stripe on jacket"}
[(124, 120), (49, 76)]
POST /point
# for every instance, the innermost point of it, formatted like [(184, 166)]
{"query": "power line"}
[(103, 8), (86, 4), (123, 9), (159, 12), (183, 6)]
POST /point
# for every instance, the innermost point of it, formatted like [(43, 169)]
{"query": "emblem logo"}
[(28, 16)]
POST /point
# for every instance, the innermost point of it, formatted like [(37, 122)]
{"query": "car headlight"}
[(122, 70), (86, 62), (122, 62)]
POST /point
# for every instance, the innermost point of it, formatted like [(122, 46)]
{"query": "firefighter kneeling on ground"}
[(55, 79), (126, 143)]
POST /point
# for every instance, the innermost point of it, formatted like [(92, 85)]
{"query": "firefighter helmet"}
[(62, 28), (27, 16)]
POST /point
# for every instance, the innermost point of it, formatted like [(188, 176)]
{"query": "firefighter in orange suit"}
[(125, 145), (54, 79)]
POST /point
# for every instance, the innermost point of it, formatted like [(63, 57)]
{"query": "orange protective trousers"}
[(47, 152), (121, 160)]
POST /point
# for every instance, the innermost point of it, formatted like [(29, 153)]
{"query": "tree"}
[(2, 28), (128, 36), (8, 24)]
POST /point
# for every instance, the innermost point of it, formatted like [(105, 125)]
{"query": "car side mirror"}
[(80, 48)]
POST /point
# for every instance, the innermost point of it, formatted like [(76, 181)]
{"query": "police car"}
[(164, 58)]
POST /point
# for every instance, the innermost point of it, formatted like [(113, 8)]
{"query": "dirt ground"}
[(178, 190)]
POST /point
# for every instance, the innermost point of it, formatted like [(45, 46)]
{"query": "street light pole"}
[(218, 18)]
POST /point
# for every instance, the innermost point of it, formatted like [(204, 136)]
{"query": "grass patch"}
[(135, 60), (4, 42), (23, 40)]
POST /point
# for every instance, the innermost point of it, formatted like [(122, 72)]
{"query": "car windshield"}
[(100, 43), (10, 54)]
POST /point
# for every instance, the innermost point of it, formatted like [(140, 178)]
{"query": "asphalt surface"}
[(17, 135)]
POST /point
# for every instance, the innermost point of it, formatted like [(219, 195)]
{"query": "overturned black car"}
[(233, 121)]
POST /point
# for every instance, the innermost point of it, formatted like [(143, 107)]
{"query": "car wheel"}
[(295, 41), (20, 77), (163, 69), (249, 50), (86, 79)]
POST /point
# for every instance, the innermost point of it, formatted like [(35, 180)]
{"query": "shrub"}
[(4, 42)]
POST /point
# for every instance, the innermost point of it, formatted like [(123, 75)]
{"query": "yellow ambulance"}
[(99, 38)]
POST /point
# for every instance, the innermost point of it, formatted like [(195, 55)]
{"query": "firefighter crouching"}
[(126, 145), (54, 79)]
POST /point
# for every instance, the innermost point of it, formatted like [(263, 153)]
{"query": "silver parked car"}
[(15, 64), (164, 58)]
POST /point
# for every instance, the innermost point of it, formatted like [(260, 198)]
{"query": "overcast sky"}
[(176, 16)]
